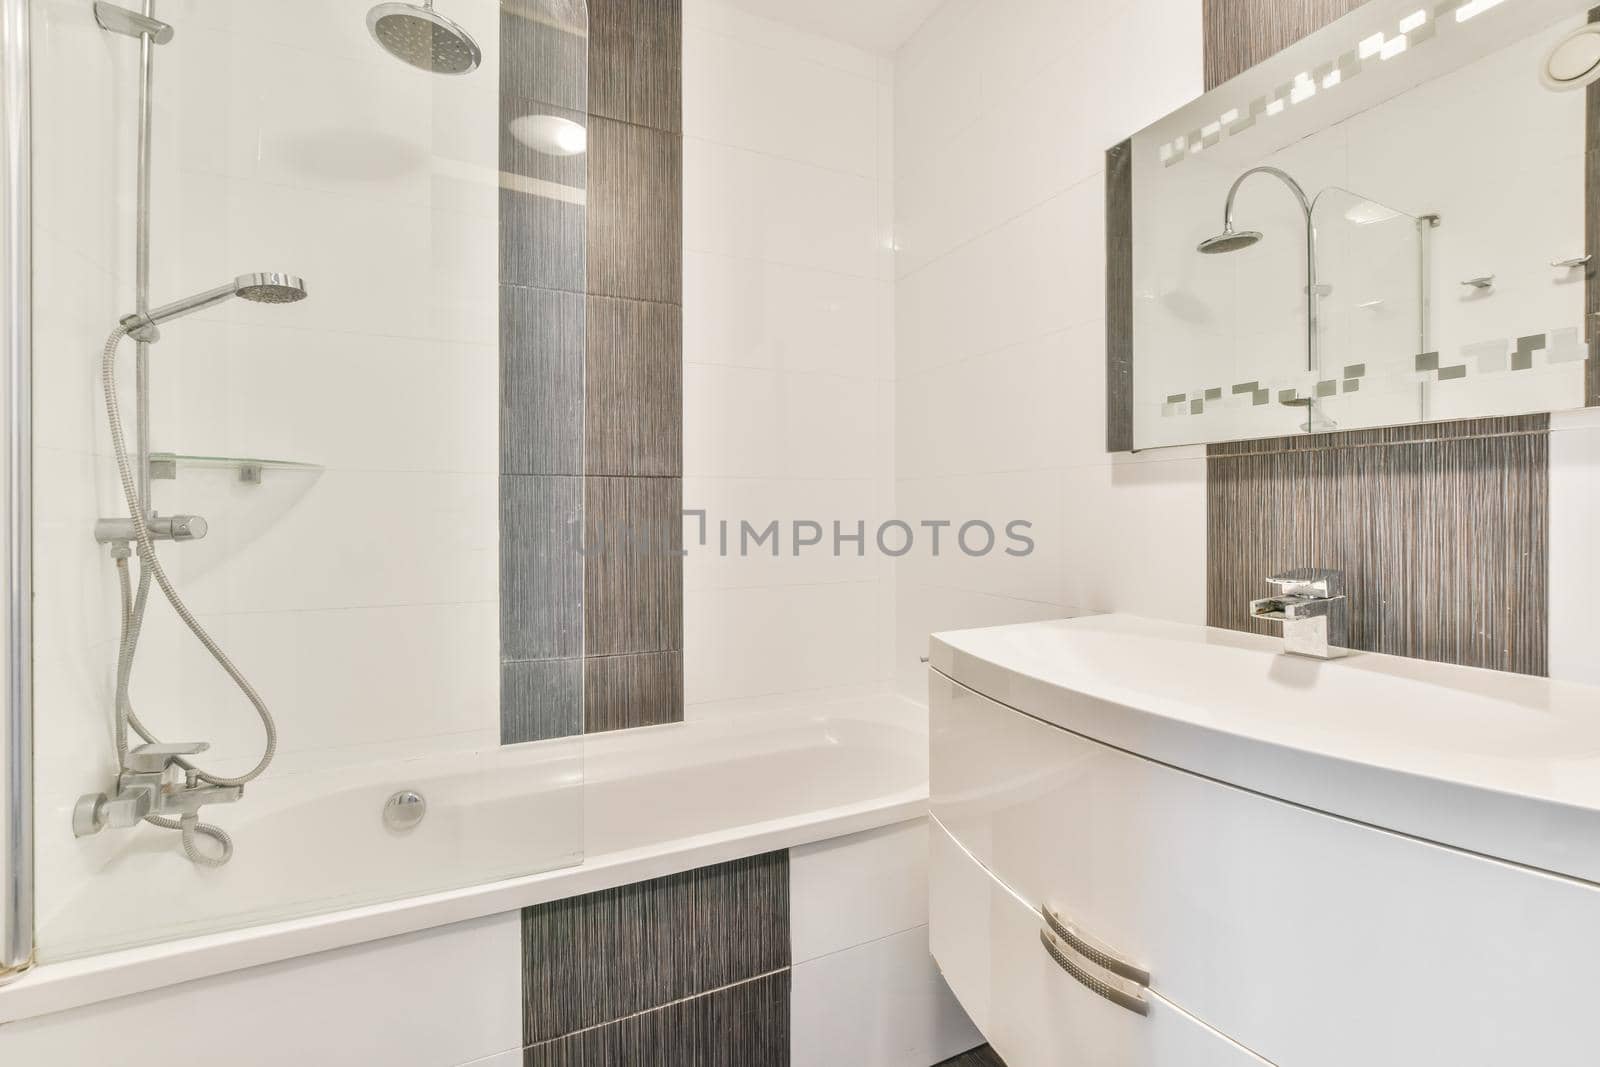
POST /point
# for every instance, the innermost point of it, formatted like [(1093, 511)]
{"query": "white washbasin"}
[(1500, 764)]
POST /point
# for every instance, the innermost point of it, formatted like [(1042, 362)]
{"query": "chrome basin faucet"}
[(1312, 607)]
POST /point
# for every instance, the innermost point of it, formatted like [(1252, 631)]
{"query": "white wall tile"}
[(853, 890), (768, 100), (882, 1003), (751, 313), (1574, 564), (437, 998), (1134, 538), (776, 639), (756, 206), (1003, 115)]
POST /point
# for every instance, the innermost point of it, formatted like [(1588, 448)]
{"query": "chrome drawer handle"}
[(1097, 952), (1119, 991)]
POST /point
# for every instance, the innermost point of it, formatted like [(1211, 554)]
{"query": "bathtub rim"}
[(60, 986)]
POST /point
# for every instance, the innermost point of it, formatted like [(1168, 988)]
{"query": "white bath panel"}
[(853, 890), (441, 997), (882, 1003)]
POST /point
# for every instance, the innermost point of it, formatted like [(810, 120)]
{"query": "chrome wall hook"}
[(1571, 264), (1483, 282)]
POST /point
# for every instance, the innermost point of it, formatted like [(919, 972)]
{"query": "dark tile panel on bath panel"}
[(601, 957), (745, 1025)]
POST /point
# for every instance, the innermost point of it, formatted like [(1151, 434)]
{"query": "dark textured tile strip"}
[(540, 700), (635, 212), (601, 957), (633, 572), (543, 239), (634, 405), (636, 62), (745, 1025), (623, 692), (1119, 298), (541, 572), (1241, 33), (544, 52), (1444, 543), (1416, 433), (542, 340), (982, 1056)]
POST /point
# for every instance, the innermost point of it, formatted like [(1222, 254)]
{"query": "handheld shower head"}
[(263, 288), (1228, 240), (270, 288), (418, 35)]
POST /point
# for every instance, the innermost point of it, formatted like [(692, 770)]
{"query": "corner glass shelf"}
[(166, 465)]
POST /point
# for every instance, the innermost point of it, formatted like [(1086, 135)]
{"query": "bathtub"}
[(736, 785)]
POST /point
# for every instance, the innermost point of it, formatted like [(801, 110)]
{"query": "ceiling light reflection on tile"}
[(551, 135)]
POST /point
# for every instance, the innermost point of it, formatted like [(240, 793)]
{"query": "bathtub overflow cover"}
[(404, 811)]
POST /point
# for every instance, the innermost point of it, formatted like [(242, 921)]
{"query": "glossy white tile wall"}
[(1574, 533), (788, 352), (434, 999), (1003, 111), (379, 184)]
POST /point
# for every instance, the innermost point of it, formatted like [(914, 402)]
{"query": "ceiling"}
[(879, 26)]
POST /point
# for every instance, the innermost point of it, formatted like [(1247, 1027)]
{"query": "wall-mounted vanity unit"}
[(1165, 845), (1385, 223)]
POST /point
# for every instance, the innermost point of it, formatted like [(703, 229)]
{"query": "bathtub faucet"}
[(143, 791)]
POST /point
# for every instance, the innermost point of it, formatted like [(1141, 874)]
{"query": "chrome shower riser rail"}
[(16, 307)]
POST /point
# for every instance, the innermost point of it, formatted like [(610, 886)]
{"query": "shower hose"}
[(133, 608)]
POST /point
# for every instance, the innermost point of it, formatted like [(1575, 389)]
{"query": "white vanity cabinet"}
[(1091, 905)]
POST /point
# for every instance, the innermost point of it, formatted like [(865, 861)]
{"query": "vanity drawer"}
[(988, 944), (1313, 941)]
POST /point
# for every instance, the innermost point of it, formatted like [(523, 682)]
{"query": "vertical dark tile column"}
[(633, 415), (591, 386), (543, 329)]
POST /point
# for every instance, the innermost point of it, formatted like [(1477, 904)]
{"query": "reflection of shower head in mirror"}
[(1229, 241), (1232, 240)]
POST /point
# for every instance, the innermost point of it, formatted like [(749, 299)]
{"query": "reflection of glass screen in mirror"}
[(1445, 189)]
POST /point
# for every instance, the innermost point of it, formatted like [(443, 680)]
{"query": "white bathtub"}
[(651, 802)]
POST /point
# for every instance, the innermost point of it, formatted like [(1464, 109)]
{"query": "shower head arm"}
[(1294, 187), (189, 305), (142, 327)]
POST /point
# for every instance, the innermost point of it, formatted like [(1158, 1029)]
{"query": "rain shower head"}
[(420, 36), (264, 288), (1229, 241)]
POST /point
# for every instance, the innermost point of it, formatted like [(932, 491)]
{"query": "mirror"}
[(1384, 224)]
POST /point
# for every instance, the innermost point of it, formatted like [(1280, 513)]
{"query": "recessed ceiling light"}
[(551, 134)]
